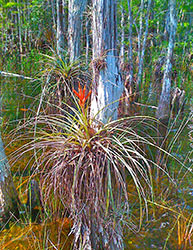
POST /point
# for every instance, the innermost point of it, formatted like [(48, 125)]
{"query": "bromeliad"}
[(81, 95), (88, 131)]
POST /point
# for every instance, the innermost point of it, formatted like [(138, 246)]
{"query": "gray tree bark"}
[(130, 43), (107, 85), (106, 91), (75, 15), (52, 2), (87, 40), (163, 110), (60, 27), (142, 52), (122, 48), (19, 28), (8, 195), (140, 29)]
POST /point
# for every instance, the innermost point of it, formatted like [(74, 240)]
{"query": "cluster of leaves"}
[(84, 166)]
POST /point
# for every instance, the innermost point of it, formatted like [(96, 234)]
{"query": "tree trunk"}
[(107, 85), (8, 195), (75, 14), (52, 2), (142, 52), (122, 48), (163, 111), (19, 28), (130, 43), (139, 33), (87, 40), (106, 90), (60, 28)]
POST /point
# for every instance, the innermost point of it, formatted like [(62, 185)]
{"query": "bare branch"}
[(8, 74)]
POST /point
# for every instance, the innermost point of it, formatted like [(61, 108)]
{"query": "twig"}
[(2, 73), (144, 105)]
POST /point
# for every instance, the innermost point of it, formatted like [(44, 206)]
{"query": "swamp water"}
[(169, 224)]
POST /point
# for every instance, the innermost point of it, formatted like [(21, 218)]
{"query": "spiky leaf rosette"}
[(86, 169), (60, 76)]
